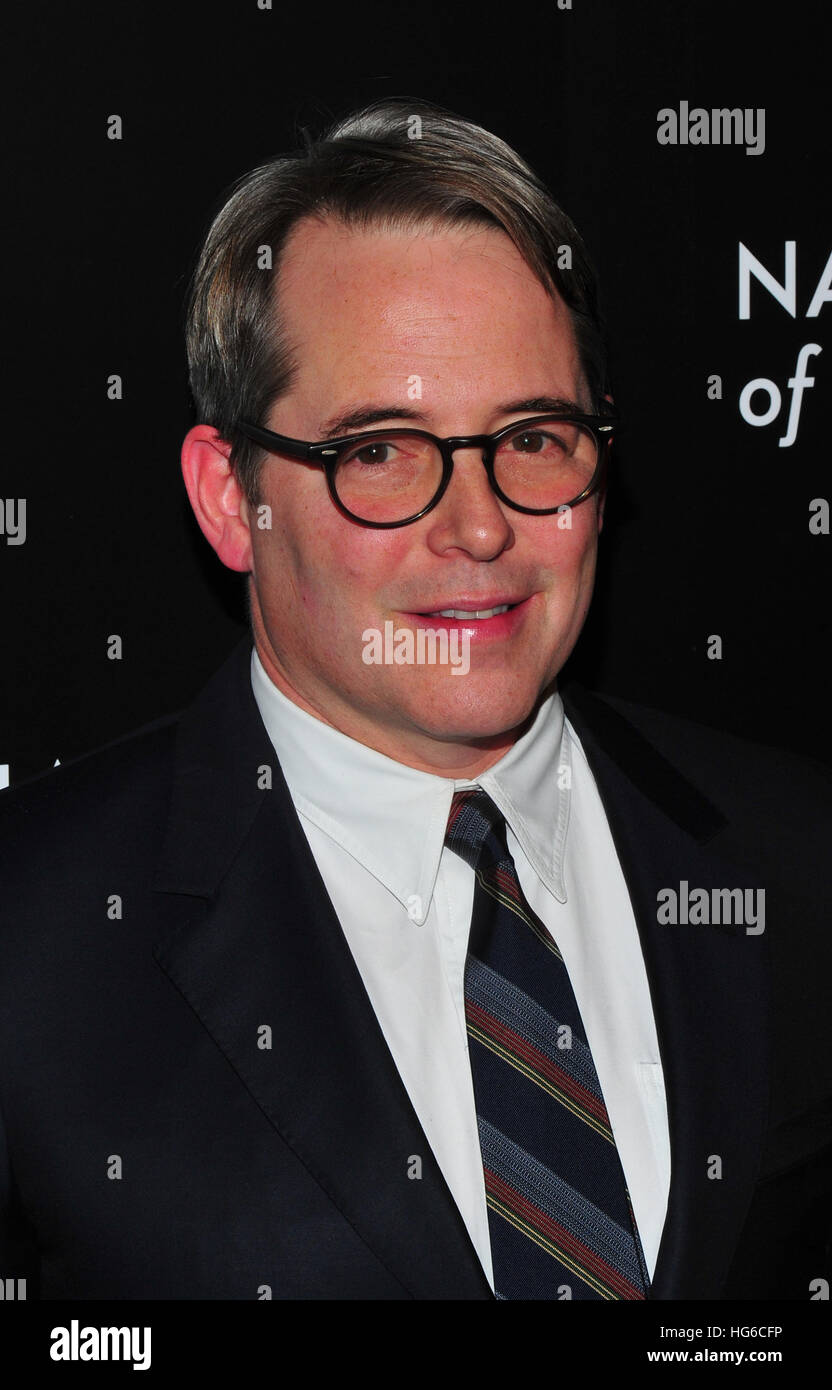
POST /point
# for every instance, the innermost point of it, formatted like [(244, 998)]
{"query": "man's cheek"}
[(331, 619)]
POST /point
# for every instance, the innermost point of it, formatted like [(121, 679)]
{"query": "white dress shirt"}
[(377, 828)]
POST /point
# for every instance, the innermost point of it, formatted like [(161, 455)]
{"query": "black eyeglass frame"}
[(325, 453)]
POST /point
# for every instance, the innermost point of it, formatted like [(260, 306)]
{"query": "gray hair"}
[(366, 170)]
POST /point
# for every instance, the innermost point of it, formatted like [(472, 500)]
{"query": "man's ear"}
[(218, 501)]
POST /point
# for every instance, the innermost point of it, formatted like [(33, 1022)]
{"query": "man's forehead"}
[(361, 304), (325, 262)]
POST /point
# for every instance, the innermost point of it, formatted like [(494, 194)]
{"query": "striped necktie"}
[(559, 1214)]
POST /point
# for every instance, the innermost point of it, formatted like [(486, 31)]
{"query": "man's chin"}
[(476, 718)]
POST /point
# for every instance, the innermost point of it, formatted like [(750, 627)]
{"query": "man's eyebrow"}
[(364, 416)]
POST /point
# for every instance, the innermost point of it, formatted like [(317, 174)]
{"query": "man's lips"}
[(463, 606), (509, 616)]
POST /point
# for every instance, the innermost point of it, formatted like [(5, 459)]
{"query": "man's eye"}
[(372, 453), (530, 442), (540, 442)]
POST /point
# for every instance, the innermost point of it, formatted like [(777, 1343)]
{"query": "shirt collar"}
[(391, 818)]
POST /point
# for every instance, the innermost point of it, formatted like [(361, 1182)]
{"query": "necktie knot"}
[(476, 829)]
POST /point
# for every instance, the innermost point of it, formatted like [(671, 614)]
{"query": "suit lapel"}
[(708, 986), (252, 940)]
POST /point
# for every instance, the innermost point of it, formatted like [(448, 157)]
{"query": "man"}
[(387, 970)]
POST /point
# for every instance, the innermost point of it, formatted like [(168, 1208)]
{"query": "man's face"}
[(460, 314)]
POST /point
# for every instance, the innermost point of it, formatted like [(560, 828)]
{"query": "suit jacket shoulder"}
[(748, 779)]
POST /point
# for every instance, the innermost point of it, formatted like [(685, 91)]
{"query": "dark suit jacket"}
[(132, 1044)]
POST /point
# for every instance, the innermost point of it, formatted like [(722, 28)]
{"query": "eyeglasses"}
[(392, 477)]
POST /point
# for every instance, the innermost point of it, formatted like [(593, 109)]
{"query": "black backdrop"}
[(708, 529)]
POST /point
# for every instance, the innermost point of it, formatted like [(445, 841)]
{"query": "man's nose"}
[(470, 516)]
